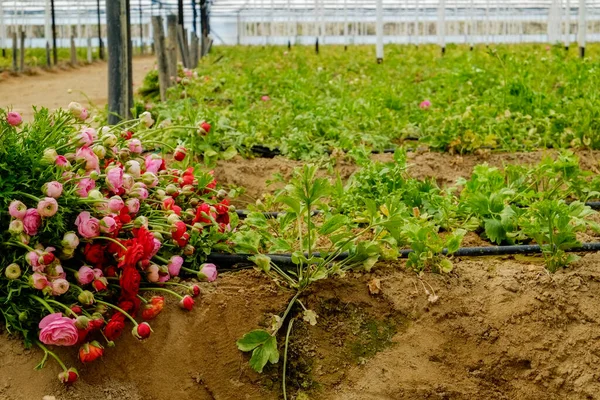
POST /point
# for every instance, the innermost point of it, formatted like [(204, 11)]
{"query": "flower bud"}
[(171, 189), (90, 352), (188, 190), (101, 309), (195, 290), (188, 250), (16, 227), (69, 376), (13, 271), (173, 219), (187, 303), (86, 298), (94, 175), (99, 150), (140, 221), (208, 272), (70, 240), (158, 236), (82, 322), (222, 193), (109, 140), (150, 179), (49, 156), (141, 331), (23, 316)]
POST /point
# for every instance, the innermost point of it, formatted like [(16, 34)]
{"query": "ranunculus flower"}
[(208, 272), (115, 204), (87, 226), (100, 284), (33, 259), (142, 331), (152, 273), (425, 104), (52, 189), (135, 146), (114, 327), (108, 225), (70, 240), (100, 151), (265, 98), (16, 227), (204, 128), (55, 329), (85, 185), (180, 153), (175, 264), (61, 161), (86, 298), (132, 167), (187, 303), (49, 156), (128, 182), (153, 307), (14, 118), (85, 275), (39, 281), (16, 209), (78, 111), (146, 119), (153, 163), (88, 156), (59, 286), (69, 376), (133, 205), (114, 179), (90, 352), (195, 289), (32, 222), (13, 271), (47, 207), (86, 137)]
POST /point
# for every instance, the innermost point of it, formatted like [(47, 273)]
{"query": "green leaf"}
[(253, 339), (229, 153), (267, 352), (333, 224), (446, 265), (292, 203), (494, 230)]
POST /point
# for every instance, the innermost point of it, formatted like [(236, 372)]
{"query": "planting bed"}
[(501, 328)]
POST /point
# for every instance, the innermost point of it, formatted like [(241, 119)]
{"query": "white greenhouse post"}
[(379, 31), (323, 25), (567, 18), (2, 31), (78, 22), (345, 24), (272, 22), (441, 27), (417, 23), (472, 25), (487, 22), (581, 29)]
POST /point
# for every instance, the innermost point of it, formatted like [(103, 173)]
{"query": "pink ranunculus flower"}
[(265, 98), (52, 189), (108, 225), (208, 272), (175, 264), (87, 226), (47, 207), (146, 119), (157, 245), (89, 157), (70, 240), (61, 161), (153, 163), (16, 209), (33, 259), (85, 275), (78, 111), (133, 205), (56, 272), (55, 329), (132, 167), (139, 192), (98, 273), (86, 137), (14, 118), (152, 273), (115, 204), (425, 104), (32, 222), (59, 286), (114, 178), (135, 146), (128, 182), (85, 185), (39, 281)]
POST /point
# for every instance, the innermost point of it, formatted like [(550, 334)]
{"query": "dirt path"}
[(87, 85)]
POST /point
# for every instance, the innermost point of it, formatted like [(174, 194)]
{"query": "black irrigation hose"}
[(594, 205), (228, 260), (266, 152)]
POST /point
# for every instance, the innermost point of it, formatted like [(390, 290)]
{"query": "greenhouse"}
[(292, 199)]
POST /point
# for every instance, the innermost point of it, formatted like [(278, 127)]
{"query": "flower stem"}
[(119, 309), (111, 240), (155, 289), (58, 360), (62, 305), (43, 302)]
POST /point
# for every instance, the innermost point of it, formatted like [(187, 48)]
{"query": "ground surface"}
[(88, 84), (502, 328)]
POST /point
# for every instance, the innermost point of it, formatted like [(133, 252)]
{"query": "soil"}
[(58, 87)]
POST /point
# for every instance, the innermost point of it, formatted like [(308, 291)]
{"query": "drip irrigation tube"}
[(228, 260), (266, 152)]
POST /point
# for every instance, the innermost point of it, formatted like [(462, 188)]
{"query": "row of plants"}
[(506, 97), (35, 57)]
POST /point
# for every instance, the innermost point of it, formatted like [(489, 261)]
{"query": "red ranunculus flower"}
[(115, 326), (188, 177), (183, 240), (202, 209), (134, 253), (180, 229), (90, 352), (153, 307), (130, 284), (144, 237), (95, 254)]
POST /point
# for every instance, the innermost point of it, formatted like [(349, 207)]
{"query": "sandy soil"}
[(88, 85)]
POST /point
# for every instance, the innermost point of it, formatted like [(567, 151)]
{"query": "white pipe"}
[(567, 16), (582, 26), (345, 22), (2, 28), (379, 31), (441, 26)]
